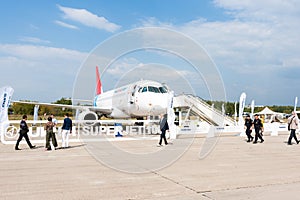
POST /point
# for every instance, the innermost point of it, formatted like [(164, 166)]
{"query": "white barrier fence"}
[(203, 128), (9, 131)]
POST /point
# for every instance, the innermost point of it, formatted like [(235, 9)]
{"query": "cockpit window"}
[(144, 89), (153, 89), (163, 90)]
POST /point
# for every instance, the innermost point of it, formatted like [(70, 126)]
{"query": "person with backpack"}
[(50, 134), (292, 126)]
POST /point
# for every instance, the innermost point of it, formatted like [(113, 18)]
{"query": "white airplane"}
[(136, 100)]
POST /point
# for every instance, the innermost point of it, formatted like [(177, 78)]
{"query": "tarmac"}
[(234, 169)]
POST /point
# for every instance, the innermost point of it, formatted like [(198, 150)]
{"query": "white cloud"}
[(273, 10), (34, 40), (87, 18), (63, 24), (130, 69), (37, 53), (154, 22), (34, 27), (123, 66), (39, 72), (261, 34), (255, 48)]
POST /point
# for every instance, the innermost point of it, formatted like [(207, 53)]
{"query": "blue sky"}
[(254, 44)]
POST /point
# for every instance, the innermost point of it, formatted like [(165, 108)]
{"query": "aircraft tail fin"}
[(98, 82)]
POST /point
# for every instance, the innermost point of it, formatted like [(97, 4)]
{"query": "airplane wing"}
[(80, 107), (48, 104)]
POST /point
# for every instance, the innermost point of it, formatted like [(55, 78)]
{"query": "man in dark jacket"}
[(259, 128), (163, 127), (23, 133), (248, 126), (66, 130)]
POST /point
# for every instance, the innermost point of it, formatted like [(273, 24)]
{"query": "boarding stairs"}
[(199, 107)]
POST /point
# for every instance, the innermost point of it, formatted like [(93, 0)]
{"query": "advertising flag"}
[(241, 108), (252, 108), (296, 102), (5, 98)]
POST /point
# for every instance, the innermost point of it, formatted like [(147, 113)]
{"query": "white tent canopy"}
[(267, 111), (270, 115)]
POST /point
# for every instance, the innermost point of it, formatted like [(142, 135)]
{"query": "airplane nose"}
[(156, 109)]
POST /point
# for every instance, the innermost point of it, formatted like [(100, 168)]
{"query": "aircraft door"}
[(132, 94)]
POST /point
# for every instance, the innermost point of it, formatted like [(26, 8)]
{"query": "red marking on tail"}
[(98, 82)]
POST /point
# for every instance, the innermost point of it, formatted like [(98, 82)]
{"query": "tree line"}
[(21, 108), (229, 107)]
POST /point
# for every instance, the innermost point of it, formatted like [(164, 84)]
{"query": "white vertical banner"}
[(223, 109), (241, 108), (296, 102), (77, 114), (171, 117), (5, 98), (36, 113), (235, 112), (252, 109)]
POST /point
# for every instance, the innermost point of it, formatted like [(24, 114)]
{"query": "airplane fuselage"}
[(139, 99)]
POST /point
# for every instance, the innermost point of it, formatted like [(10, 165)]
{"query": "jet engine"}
[(88, 118)]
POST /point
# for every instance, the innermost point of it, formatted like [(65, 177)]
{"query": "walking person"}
[(50, 134), (293, 125), (66, 130), (163, 127), (55, 122), (259, 129), (248, 127), (23, 133)]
